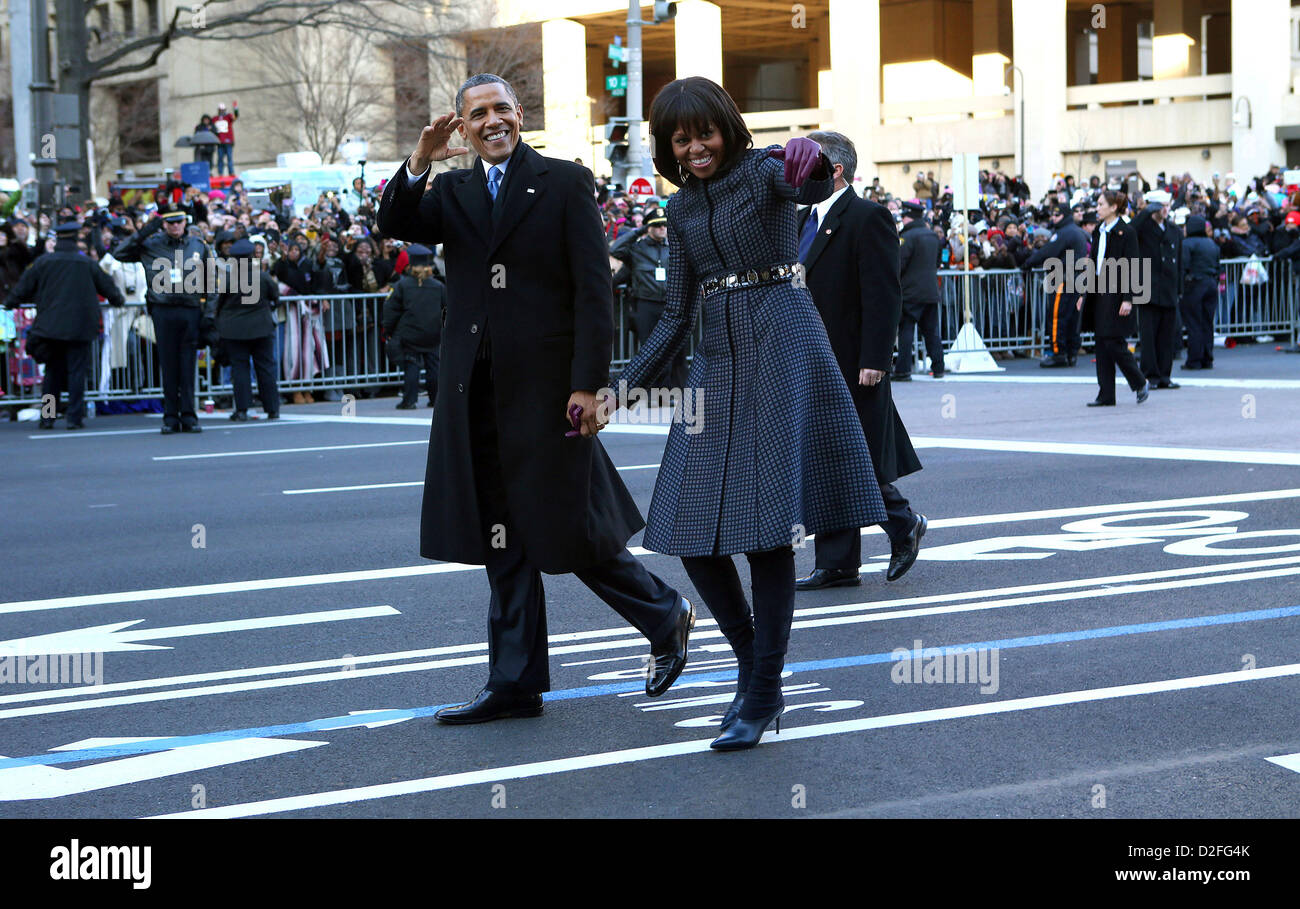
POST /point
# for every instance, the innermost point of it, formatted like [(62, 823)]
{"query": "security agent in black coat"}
[(918, 266), (247, 330), (169, 255), (1068, 244), (851, 268), (1108, 309), (65, 285), (1161, 244), (529, 334), (644, 254), (413, 316), (1200, 299)]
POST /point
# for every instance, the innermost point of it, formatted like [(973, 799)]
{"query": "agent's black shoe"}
[(45, 423), (937, 375), (1193, 366), (76, 426), (273, 416), (405, 405), (191, 427), (430, 404), (168, 430), (904, 555), (1054, 361), (239, 416), (1074, 358), (1101, 403), (669, 658), (746, 733), (1165, 383), (489, 705), (901, 377), (820, 578), (1144, 392)]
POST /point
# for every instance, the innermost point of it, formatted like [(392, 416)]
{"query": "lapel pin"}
[(530, 189), (828, 230)]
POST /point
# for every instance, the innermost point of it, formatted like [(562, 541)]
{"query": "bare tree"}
[(124, 123)]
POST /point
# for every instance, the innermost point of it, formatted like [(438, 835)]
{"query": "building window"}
[(153, 9), (410, 90), (126, 12), (138, 132)]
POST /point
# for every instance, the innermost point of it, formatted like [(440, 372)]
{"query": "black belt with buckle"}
[(768, 274)]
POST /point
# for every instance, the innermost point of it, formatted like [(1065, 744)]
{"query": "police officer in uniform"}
[(918, 266), (65, 286), (1062, 316), (644, 254), (169, 255), (1161, 243)]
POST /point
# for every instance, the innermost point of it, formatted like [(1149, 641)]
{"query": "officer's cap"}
[(912, 209), (657, 219), (68, 229), (174, 216), (419, 255)]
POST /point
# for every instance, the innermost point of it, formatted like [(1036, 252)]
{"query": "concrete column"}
[(1176, 48), (564, 90), (1117, 53), (1043, 86), (1261, 73), (855, 75), (20, 56), (697, 36)]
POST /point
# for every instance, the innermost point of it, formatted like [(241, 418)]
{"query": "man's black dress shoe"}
[(489, 705), (1165, 383), (1073, 359), (901, 377), (76, 426), (191, 427), (46, 423), (168, 430), (828, 577), (1144, 392), (670, 658), (239, 416), (904, 555), (1192, 366), (405, 405), (1053, 361), (1101, 403)]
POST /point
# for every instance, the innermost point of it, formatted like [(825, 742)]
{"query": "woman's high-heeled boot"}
[(772, 573), (718, 583)]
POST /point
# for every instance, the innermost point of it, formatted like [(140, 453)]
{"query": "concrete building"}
[(1037, 87)]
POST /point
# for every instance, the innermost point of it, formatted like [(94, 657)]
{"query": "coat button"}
[(460, 387), (473, 329)]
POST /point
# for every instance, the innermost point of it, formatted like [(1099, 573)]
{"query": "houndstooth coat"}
[(779, 450)]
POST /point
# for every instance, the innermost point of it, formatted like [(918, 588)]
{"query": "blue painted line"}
[(342, 722)]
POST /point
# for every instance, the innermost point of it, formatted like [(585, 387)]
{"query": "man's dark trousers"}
[(517, 654), (1156, 333), (262, 353), (66, 370), (928, 319), (1198, 308), (176, 329), (842, 549)]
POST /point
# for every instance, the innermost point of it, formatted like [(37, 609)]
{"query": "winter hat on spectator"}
[(1196, 225), (1292, 218), (217, 196), (242, 249)]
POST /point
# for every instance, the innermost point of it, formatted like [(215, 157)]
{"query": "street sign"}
[(641, 187), (617, 53), (616, 82)]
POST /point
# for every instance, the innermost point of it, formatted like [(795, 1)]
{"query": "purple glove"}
[(801, 156), (575, 417)]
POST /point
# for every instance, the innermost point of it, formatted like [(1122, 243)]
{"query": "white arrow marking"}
[(111, 638), (1289, 761)]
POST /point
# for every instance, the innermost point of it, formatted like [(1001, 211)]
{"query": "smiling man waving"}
[(528, 339)]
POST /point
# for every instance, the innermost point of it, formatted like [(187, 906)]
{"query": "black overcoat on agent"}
[(533, 276), (1101, 309), (245, 318), (65, 286), (852, 274)]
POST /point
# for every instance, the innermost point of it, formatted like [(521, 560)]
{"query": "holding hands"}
[(433, 145), (801, 156)]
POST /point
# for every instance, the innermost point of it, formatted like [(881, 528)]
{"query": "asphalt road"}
[(1127, 579)]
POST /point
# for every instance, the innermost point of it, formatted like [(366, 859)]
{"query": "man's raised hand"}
[(433, 143)]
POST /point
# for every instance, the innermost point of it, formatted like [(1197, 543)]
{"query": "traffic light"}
[(616, 141), (664, 11)]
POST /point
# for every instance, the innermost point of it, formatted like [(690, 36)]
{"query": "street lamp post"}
[(1020, 162)]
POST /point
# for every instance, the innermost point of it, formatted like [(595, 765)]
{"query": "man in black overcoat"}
[(1161, 243), (65, 286), (849, 250), (528, 336)]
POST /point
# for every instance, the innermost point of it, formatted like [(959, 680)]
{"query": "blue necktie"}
[(494, 182), (807, 235)]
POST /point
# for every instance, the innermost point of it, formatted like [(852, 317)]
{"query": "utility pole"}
[(638, 156), (45, 158)]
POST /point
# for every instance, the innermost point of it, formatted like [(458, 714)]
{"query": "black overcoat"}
[(852, 269), (65, 287), (1101, 308), (538, 284), (1164, 250)]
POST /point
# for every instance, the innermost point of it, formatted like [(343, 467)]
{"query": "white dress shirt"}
[(412, 176)]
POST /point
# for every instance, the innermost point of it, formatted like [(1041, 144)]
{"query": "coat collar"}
[(522, 187), (826, 229)]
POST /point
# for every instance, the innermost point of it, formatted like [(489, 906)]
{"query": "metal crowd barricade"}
[(1258, 299)]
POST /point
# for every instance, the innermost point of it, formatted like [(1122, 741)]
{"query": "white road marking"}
[(318, 489), (96, 433), (1096, 449), (1090, 380), (114, 638), (1289, 761), (617, 638), (271, 451), (376, 574), (698, 746)]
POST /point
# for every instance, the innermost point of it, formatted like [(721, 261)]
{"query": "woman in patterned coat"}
[(776, 451)]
